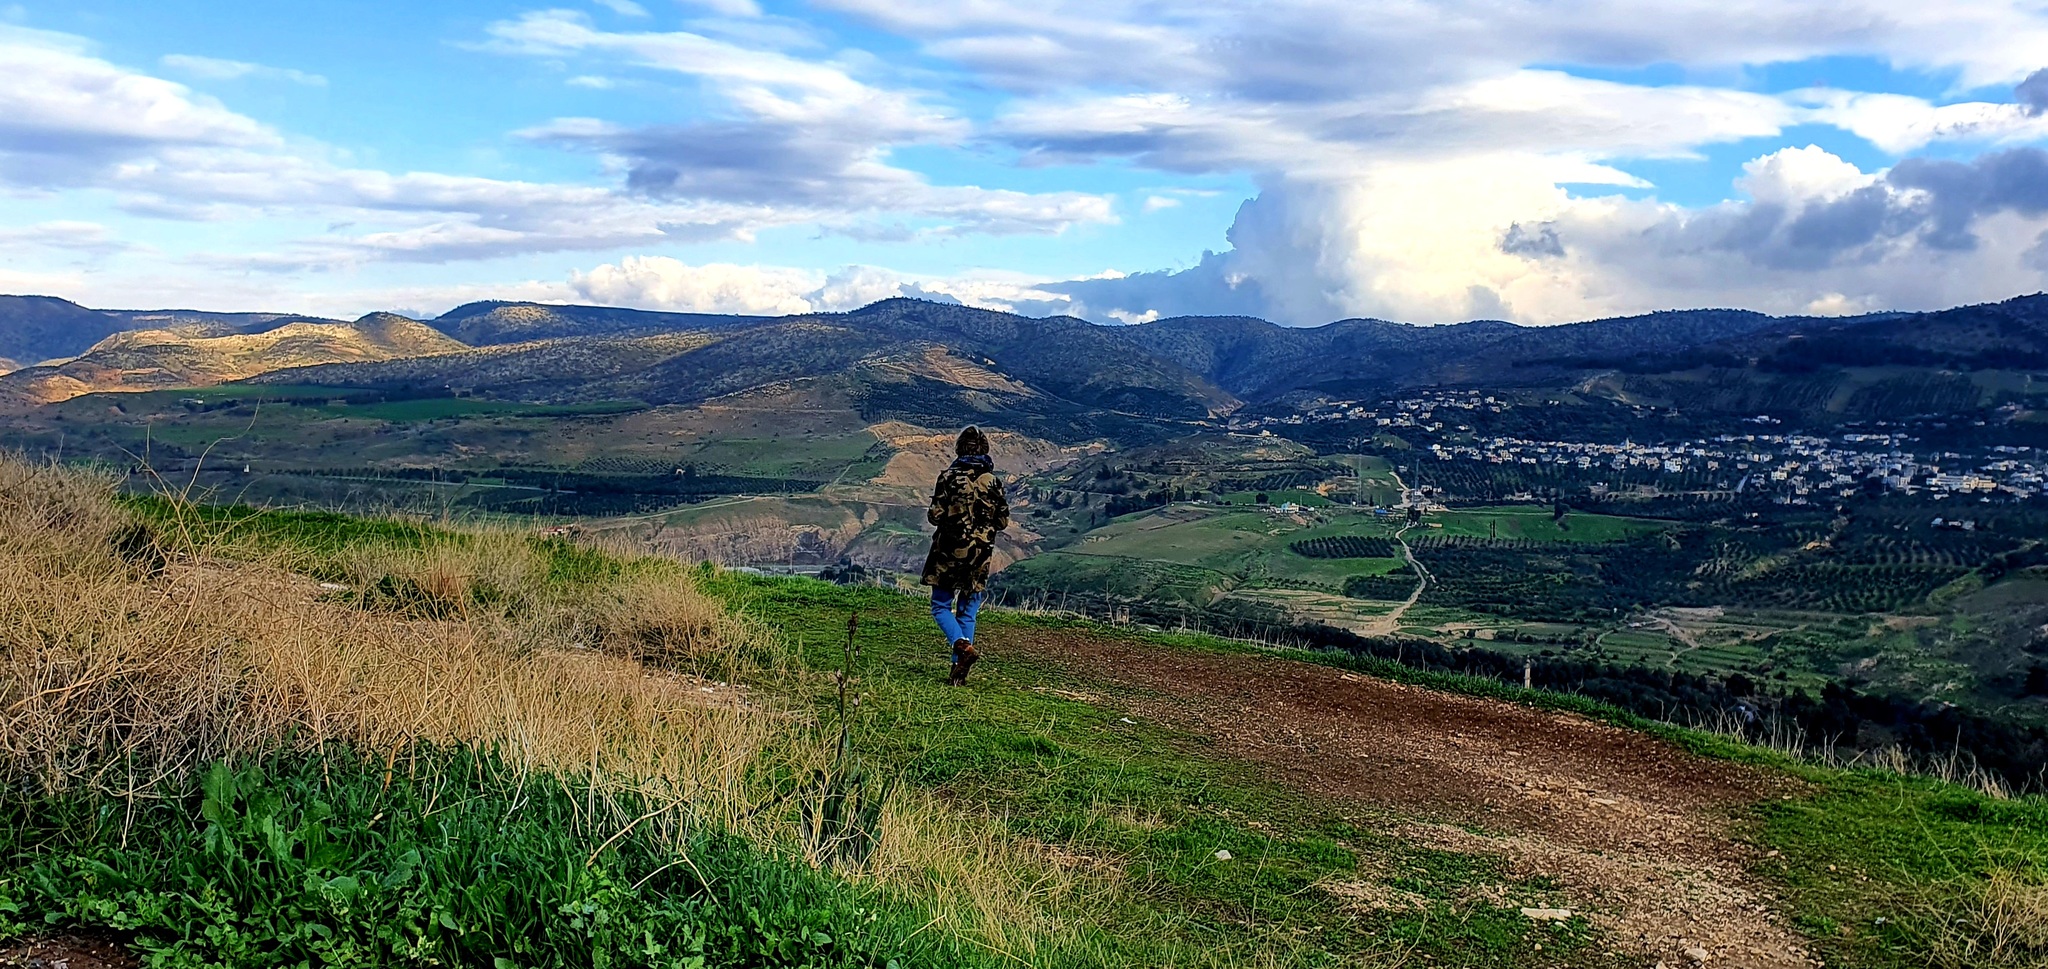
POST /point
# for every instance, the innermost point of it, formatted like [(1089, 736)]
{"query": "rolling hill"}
[(1059, 377), (34, 329), (203, 353)]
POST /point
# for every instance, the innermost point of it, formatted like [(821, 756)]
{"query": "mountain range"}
[(168, 350), (907, 359)]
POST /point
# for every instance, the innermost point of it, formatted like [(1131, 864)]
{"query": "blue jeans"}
[(954, 612)]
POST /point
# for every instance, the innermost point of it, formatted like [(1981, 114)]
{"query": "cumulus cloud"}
[(217, 69), (624, 8), (65, 116), (1425, 162), (73, 120), (1413, 165), (2033, 92), (1812, 233), (805, 133), (665, 283)]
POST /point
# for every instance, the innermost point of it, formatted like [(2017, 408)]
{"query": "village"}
[(1797, 468)]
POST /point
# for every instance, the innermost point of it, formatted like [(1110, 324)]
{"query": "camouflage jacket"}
[(969, 508)]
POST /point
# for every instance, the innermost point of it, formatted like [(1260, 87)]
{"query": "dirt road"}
[(1634, 828), (1390, 623)]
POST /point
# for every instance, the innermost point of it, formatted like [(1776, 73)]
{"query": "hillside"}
[(1192, 368), (38, 328), (200, 354), (909, 360), (1820, 370), (633, 760), (494, 322)]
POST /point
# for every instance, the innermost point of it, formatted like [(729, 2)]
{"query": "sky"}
[(1304, 161)]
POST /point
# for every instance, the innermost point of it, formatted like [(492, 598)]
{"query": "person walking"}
[(968, 508)]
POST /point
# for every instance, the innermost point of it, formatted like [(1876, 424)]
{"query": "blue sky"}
[(1120, 160)]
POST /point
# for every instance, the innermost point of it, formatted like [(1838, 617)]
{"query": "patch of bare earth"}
[(66, 952), (1634, 828)]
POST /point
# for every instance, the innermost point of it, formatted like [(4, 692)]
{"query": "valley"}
[(1829, 527)]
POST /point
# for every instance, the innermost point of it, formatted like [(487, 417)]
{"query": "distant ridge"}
[(199, 353), (907, 359), (493, 322)]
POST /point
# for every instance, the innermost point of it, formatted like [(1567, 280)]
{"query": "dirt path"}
[(1390, 623), (1632, 827), (1677, 632)]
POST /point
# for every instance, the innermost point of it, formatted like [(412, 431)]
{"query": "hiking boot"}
[(964, 655)]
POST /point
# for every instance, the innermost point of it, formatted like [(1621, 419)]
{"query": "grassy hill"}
[(200, 355), (272, 738), (38, 328), (1072, 380)]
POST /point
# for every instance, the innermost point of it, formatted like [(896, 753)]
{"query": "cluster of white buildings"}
[(1436, 412), (1793, 464)]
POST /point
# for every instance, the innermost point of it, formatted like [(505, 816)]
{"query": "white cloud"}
[(71, 120), (1413, 166), (1495, 237), (217, 69), (1792, 176), (665, 283), (87, 237), (728, 8), (65, 115), (1423, 161), (660, 282), (808, 134)]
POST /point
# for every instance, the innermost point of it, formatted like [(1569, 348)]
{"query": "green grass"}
[(1250, 547), (1878, 867), (1538, 524), (1298, 496), (1053, 574), (789, 456), (1904, 850), (1287, 569), (448, 408), (1376, 483), (1153, 803), (241, 869), (454, 858)]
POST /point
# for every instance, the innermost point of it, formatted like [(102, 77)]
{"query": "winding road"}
[(1391, 622)]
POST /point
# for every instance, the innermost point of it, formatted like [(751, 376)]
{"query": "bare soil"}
[(67, 952), (1634, 828)]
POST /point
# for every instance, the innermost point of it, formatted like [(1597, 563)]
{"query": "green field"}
[(1538, 524), (1252, 547), (1276, 497), (854, 457)]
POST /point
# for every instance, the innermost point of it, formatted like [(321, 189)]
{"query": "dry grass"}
[(126, 661), (130, 654), (2002, 922)]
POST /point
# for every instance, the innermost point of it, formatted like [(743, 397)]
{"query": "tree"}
[(1261, 498), (2037, 680)]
